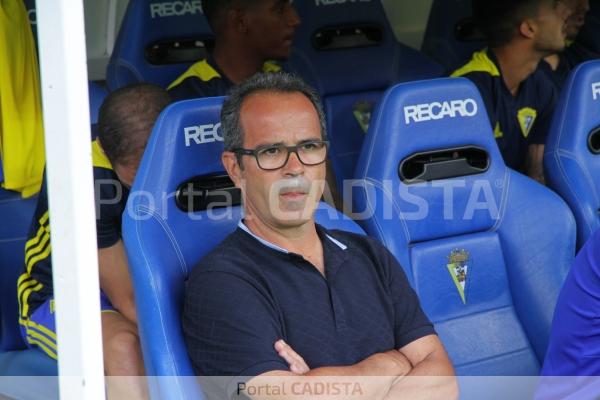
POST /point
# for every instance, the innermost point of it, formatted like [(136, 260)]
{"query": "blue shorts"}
[(39, 330)]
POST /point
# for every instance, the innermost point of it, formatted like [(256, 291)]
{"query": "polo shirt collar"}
[(273, 246)]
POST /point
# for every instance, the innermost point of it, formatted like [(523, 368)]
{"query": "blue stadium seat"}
[(572, 159), (16, 214), (157, 42), (348, 52), (439, 196), (97, 94), (164, 242), (450, 37)]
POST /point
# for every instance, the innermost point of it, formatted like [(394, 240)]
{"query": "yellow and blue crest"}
[(458, 267)]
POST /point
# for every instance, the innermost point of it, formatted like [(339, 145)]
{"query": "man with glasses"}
[(283, 298), (518, 97)]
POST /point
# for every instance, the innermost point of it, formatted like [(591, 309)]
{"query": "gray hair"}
[(279, 82)]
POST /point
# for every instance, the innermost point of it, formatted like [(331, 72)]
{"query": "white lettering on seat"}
[(175, 8), (202, 134), (596, 90), (437, 110)]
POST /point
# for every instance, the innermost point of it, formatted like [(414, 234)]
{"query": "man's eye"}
[(271, 151), (310, 146)]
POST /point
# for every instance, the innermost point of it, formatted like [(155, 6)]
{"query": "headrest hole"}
[(443, 164), (177, 51), (207, 192), (594, 141), (347, 37), (466, 30)]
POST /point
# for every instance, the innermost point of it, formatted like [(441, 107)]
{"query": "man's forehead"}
[(275, 99)]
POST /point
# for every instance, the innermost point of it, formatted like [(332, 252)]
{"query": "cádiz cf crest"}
[(362, 111), (458, 267), (526, 118)]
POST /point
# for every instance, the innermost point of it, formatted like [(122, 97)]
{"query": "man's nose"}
[(293, 19), (293, 166)]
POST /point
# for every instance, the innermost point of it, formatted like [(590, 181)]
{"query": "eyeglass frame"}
[(290, 149)]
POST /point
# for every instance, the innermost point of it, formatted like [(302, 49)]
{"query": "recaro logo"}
[(202, 134), (175, 8), (437, 110), (319, 3), (596, 90)]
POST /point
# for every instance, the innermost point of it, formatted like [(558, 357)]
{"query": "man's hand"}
[(295, 361)]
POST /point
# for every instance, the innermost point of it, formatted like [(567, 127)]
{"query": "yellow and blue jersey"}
[(21, 126), (204, 79), (34, 285), (517, 121)]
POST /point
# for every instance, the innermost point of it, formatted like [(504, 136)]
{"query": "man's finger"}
[(294, 360)]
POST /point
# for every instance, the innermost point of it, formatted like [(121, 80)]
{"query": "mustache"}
[(297, 184)]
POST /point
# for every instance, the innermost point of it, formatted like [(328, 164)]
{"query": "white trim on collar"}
[(340, 245), (263, 241), (280, 249)]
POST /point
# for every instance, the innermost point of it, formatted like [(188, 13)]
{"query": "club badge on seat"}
[(362, 111), (458, 267)]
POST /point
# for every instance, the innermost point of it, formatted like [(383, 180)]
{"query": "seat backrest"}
[(164, 242), (451, 36), (485, 247), (349, 53), (97, 94), (572, 158), (157, 42)]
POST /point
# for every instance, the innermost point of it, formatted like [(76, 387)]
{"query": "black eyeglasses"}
[(272, 157)]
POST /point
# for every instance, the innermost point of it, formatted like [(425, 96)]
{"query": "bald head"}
[(126, 119)]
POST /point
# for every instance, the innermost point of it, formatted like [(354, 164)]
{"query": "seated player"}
[(125, 122), (249, 35), (519, 98)]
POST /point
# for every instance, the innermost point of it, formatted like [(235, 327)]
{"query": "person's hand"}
[(295, 361)]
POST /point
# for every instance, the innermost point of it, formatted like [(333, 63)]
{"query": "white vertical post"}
[(64, 80)]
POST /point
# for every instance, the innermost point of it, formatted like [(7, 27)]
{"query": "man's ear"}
[(528, 28), (230, 162)]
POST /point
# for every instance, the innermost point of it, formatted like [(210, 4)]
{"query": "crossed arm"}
[(419, 370)]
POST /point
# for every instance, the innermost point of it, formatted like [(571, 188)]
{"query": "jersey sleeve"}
[(110, 198)]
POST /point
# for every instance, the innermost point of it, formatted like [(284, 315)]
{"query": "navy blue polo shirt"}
[(248, 293), (517, 121)]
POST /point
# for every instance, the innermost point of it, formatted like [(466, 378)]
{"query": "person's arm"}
[(432, 374), (389, 375), (371, 378), (535, 163), (115, 280)]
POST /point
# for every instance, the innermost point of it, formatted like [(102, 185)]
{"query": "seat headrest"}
[(424, 117), (336, 36), (428, 135), (157, 41), (186, 142), (576, 125)]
